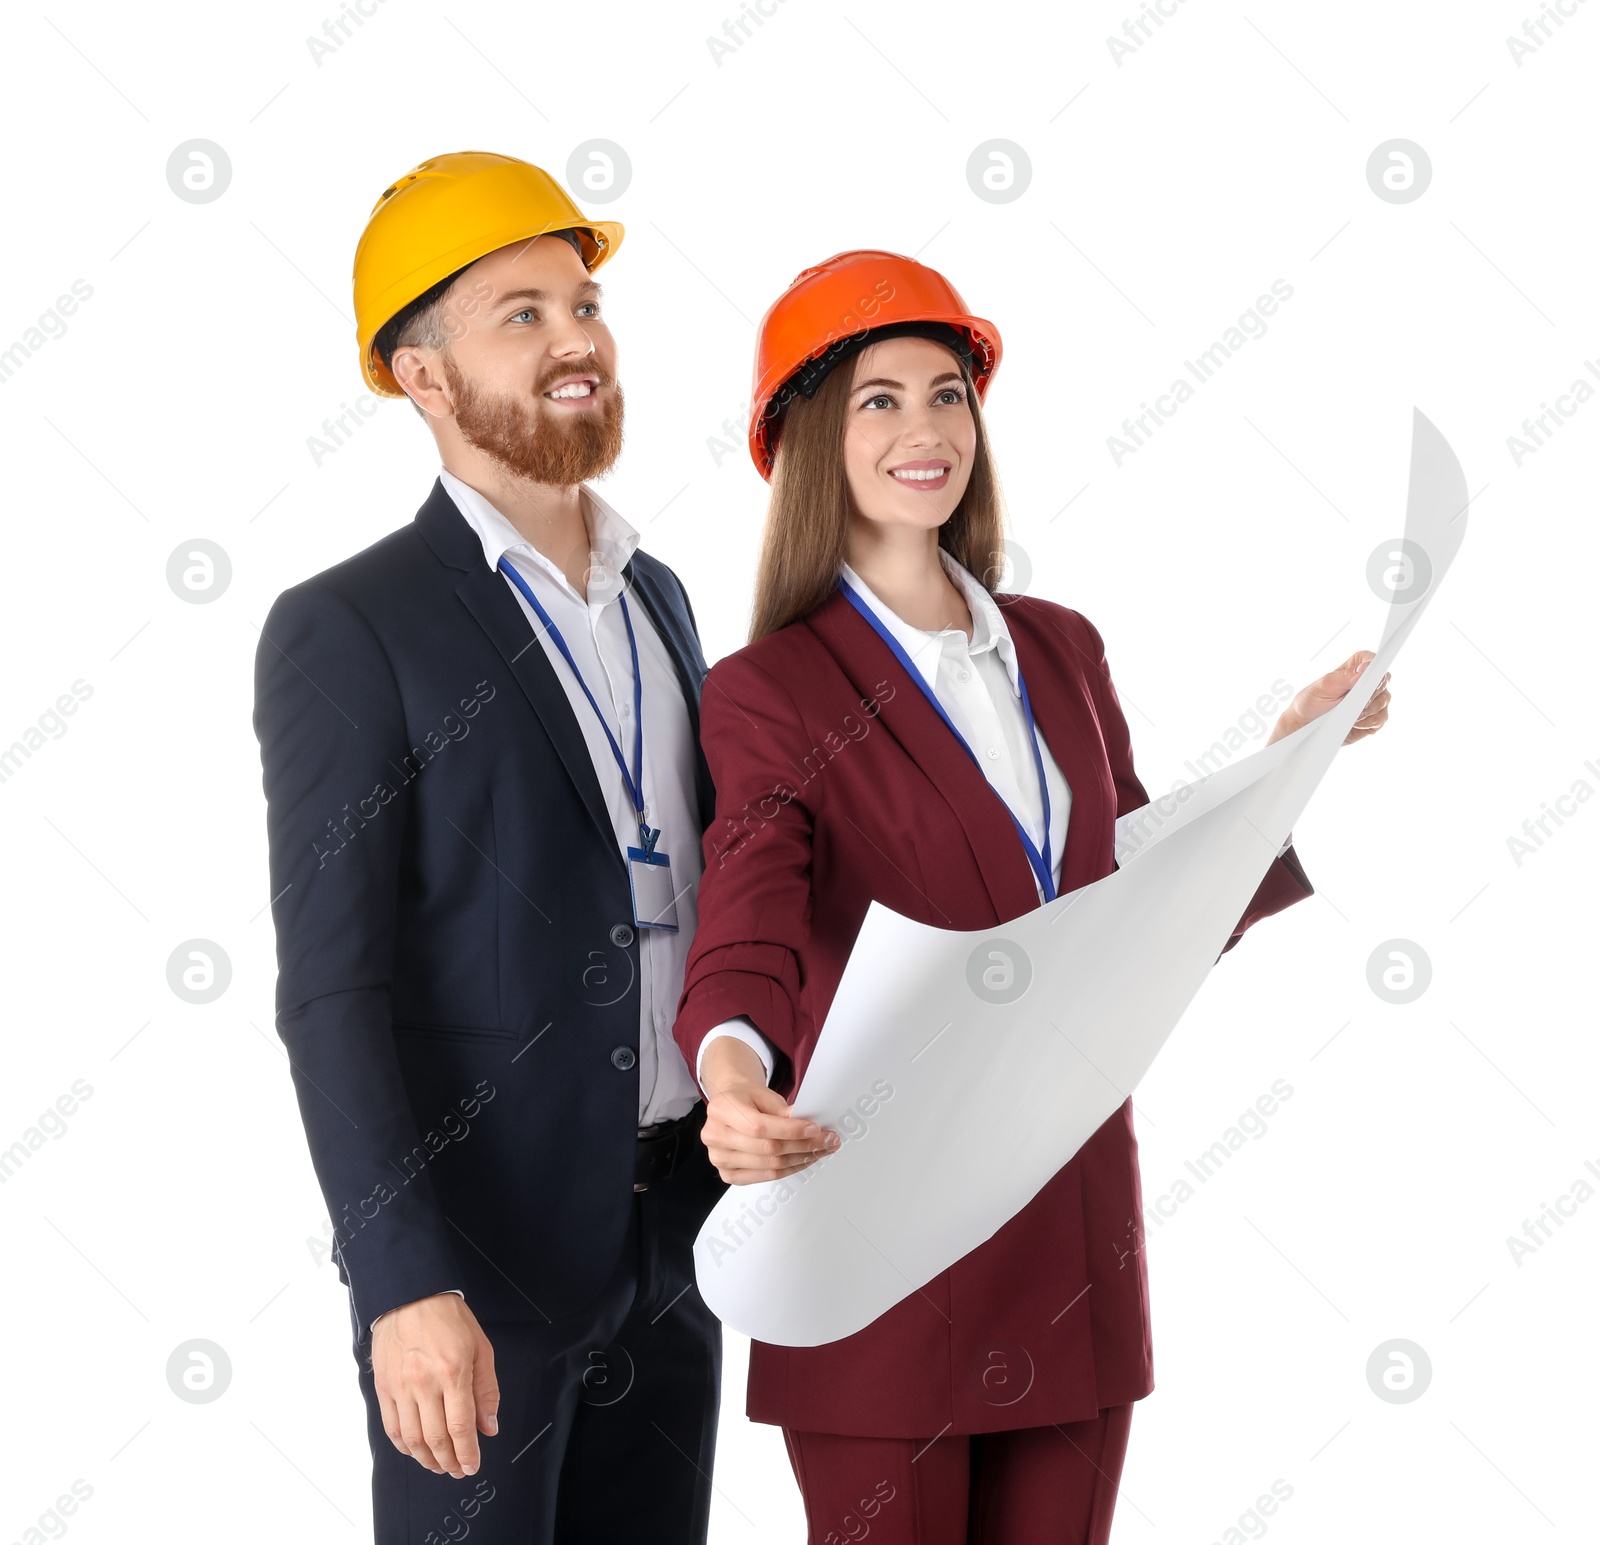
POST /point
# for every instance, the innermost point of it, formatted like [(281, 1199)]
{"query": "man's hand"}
[(1312, 701), (434, 1370), (750, 1131)]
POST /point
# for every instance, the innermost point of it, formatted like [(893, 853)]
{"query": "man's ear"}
[(420, 377)]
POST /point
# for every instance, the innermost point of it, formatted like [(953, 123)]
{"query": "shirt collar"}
[(925, 649), (611, 539)]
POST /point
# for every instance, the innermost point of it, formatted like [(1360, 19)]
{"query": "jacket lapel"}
[(1056, 671), (1056, 687), (488, 598), (910, 718), (644, 581)]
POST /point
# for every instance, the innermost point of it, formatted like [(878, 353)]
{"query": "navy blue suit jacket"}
[(457, 967)]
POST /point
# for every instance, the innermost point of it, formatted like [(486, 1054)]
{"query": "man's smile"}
[(577, 391)]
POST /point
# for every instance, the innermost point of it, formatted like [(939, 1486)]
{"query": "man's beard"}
[(529, 440)]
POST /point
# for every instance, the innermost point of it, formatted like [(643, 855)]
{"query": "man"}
[(477, 859)]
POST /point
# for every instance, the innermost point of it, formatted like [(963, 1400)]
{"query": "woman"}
[(992, 1404)]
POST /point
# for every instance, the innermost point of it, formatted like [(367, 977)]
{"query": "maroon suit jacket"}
[(838, 785)]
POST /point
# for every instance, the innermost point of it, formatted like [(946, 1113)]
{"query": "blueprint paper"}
[(1032, 1033)]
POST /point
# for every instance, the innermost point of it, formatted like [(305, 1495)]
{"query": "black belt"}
[(666, 1146)]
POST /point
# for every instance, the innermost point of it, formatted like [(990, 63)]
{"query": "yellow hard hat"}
[(445, 213)]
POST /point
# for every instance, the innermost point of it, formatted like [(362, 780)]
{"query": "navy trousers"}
[(608, 1419)]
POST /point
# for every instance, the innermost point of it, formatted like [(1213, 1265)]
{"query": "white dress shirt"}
[(975, 682), (598, 638)]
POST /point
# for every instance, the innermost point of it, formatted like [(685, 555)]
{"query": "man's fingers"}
[(436, 1432), (391, 1420), (461, 1425), (411, 1435), (486, 1390), (433, 1369)]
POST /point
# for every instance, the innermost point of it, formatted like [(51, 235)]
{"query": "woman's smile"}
[(924, 476)]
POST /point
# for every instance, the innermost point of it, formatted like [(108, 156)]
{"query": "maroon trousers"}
[(1053, 1485)]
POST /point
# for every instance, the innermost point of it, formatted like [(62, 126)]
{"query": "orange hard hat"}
[(831, 311)]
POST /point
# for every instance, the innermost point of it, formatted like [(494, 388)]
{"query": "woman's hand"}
[(1312, 701), (750, 1131)]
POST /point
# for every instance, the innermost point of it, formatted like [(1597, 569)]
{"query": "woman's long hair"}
[(808, 515)]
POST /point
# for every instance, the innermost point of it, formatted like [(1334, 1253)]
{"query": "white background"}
[(1167, 192)]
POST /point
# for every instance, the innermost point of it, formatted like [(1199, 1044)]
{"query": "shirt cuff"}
[(740, 1029), (457, 1291)]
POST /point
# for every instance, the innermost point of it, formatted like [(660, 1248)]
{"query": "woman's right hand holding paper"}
[(750, 1131)]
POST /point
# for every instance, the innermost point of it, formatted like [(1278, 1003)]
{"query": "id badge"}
[(655, 903)]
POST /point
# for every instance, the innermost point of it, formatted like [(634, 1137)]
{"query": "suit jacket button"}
[(623, 1058), (622, 935)]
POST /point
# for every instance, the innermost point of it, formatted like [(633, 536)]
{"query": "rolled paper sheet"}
[(1032, 1033)]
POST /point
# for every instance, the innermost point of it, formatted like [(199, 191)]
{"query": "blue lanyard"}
[(635, 780), (1041, 866)]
